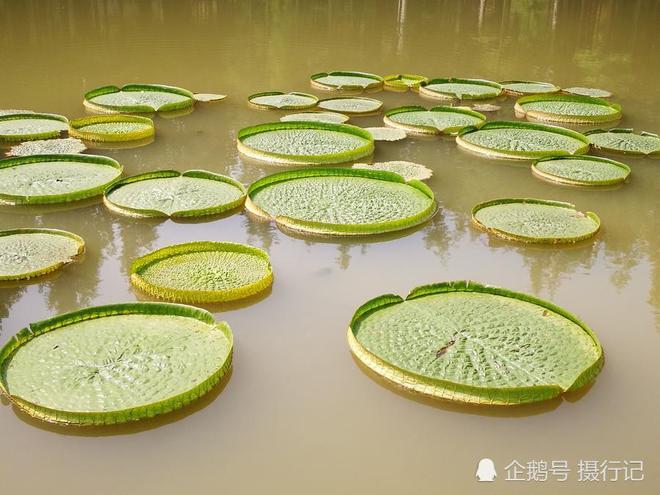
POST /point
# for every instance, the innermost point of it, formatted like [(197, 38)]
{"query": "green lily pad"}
[(625, 141), (334, 201), (208, 97), (535, 220), (15, 127), (521, 140), (466, 342), (437, 120), (113, 364), (42, 179), (567, 108), (63, 146), (404, 82), (593, 92), (463, 89), (169, 193), (528, 87), (407, 170), (386, 133), (29, 253), (139, 98), (305, 143), (203, 272), (327, 117), (352, 105), (282, 101), (581, 171), (112, 128), (346, 80)]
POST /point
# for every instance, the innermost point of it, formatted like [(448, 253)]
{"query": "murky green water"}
[(298, 414)]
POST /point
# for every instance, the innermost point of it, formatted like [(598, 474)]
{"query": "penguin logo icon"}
[(486, 470)]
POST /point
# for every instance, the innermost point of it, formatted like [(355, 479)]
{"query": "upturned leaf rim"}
[(77, 128)]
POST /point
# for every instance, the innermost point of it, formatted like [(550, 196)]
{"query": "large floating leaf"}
[(113, 364), (305, 143), (168, 193), (625, 141), (465, 89), (63, 146), (138, 98), (386, 133), (26, 126), (333, 201), (528, 87), (41, 179), (535, 220), (352, 105), (112, 128), (567, 108), (522, 140), (328, 117), (203, 272), (29, 253), (404, 82), (407, 170), (437, 120), (282, 101), (466, 342), (346, 80), (594, 92), (581, 171)]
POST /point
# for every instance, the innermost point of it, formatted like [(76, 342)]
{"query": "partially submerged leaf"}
[(581, 171), (16, 127), (528, 87), (625, 141), (463, 89), (208, 97), (407, 170), (48, 147), (386, 133), (346, 80), (328, 117), (352, 105), (404, 82), (112, 128), (567, 108), (282, 101), (486, 107), (594, 92), (437, 120), (139, 98)]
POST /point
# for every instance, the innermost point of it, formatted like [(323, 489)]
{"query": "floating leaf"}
[(464, 89), (582, 171), (522, 140), (386, 133), (404, 82), (169, 193), (41, 179), (535, 220), (139, 98), (466, 342), (528, 87), (352, 105), (593, 92), (282, 101), (625, 141), (66, 146), (407, 170), (203, 272), (437, 120), (328, 117), (112, 128), (305, 143), (29, 253), (208, 97), (334, 201), (117, 363), (346, 80), (567, 108), (27, 126), (486, 107)]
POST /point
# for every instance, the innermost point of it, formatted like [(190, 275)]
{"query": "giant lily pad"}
[(117, 363), (334, 201), (625, 141), (352, 105), (528, 87), (328, 117), (282, 101), (535, 220), (112, 128), (437, 120), (464, 89), (581, 171), (139, 98), (386, 133), (346, 80), (567, 108), (466, 342), (521, 140), (66, 146), (41, 179), (407, 170), (26, 126), (404, 82), (305, 143), (29, 253), (169, 193), (203, 272), (582, 91)]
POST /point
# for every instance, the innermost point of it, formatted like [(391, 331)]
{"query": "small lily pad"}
[(486, 107), (535, 220), (16, 127), (625, 141), (593, 92), (67, 146), (208, 97), (463, 89), (169, 193), (328, 117), (111, 128), (282, 101), (581, 171), (346, 80), (139, 98), (567, 108), (203, 272), (520, 88), (407, 170), (404, 82), (29, 253), (352, 105), (437, 120), (386, 133)]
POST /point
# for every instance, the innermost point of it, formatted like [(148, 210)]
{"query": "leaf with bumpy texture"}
[(64, 146), (582, 171), (346, 80), (625, 141), (567, 108), (437, 120), (407, 170)]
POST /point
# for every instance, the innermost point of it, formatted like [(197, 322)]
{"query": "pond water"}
[(298, 414)]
